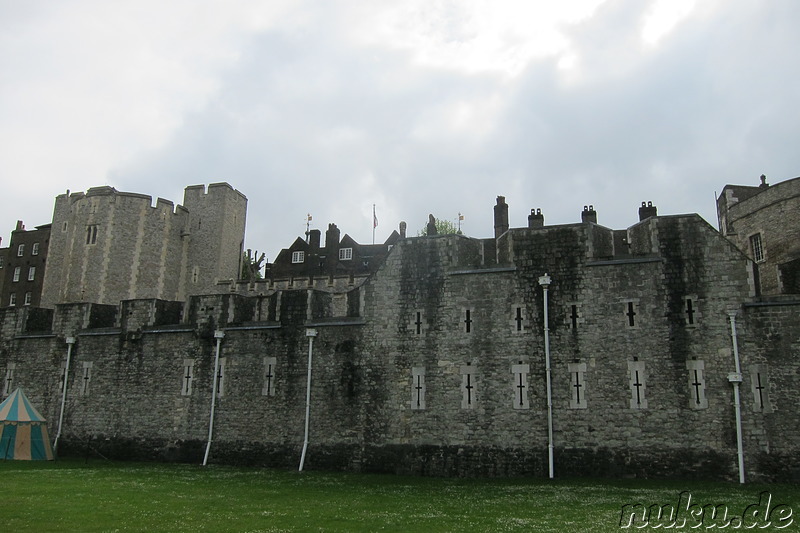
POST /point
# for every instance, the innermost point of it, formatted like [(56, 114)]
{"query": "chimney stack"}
[(647, 210), (403, 227), (536, 219), (589, 214), (313, 238), (500, 217)]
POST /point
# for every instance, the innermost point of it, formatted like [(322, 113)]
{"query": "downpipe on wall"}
[(736, 379), (70, 344), (310, 333), (219, 335), (544, 281)]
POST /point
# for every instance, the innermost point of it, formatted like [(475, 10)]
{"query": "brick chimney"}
[(536, 219), (314, 239), (589, 214), (647, 210), (500, 217)]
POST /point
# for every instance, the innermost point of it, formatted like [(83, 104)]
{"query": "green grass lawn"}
[(76, 496)]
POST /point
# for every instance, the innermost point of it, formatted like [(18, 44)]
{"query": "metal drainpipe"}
[(310, 333), (219, 335), (70, 343), (736, 378), (544, 281)]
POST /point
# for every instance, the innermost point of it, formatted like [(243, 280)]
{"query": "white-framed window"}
[(345, 254), (28, 298), (31, 273), (20, 250), (638, 384), (17, 271), (86, 378), (12, 300), (270, 363), (519, 386), (577, 385), (468, 386), (187, 377), (417, 388), (35, 249), (697, 385), (298, 257), (91, 234), (8, 382), (757, 247), (759, 384)]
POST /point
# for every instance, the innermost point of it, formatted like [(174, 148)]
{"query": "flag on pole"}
[(374, 218)]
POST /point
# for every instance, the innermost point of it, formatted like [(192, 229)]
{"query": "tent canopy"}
[(23, 430)]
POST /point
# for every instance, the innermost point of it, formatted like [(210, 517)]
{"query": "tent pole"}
[(70, 343), (219, 334)]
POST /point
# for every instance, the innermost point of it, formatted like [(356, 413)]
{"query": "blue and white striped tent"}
[(23, 431)]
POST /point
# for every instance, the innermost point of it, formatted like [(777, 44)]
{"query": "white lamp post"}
[(544, 281)]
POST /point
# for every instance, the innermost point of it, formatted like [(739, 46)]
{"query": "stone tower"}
[(108, 245)]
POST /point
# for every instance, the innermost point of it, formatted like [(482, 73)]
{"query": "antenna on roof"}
[(308, 225)]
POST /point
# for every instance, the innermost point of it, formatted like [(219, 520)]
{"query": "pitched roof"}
[(17, 408)]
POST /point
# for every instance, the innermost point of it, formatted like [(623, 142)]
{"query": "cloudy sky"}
[(417, 106)]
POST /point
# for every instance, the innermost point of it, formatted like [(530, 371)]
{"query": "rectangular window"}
[(31, 273), (17, 271), (637, 384), (757, 248), (416, 324), (759, 384), (86, 378), (468, 386), (468, 320), (517, 318), (418, 388), (697, 385), (345, 254), (8, 381), (221, 378), (574, 315), (269, 376), (20, 250), (631, 310), (91, 234), (28, 298), (12, 299), (577, 385), (298, 257), (187, 377), (35, 249), (690, 311), (1, 261), (520, 386)]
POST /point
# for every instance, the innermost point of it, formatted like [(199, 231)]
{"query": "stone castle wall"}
[(436, 363)]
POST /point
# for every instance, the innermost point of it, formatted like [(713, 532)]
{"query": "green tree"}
[(251, 267), (443, 227)]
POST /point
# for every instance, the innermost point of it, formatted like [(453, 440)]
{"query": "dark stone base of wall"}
[(776, 468), (446, 461), (645, 464)]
